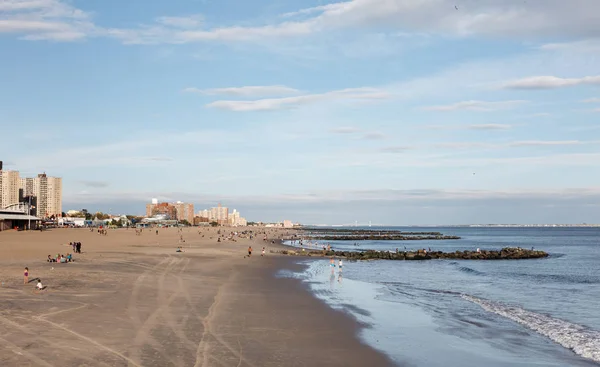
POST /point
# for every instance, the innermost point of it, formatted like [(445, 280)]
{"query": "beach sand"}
[(132, 300)]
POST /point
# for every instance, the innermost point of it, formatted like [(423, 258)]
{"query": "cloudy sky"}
[(390, 111)]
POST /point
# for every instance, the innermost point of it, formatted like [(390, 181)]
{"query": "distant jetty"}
[(329, 234), (507, 253)]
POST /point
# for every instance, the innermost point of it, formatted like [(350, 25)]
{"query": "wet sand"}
[(131, 300)]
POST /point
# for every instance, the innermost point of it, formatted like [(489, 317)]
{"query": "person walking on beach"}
[(26, 276), (249, 251), (78, 248), (263, 252)]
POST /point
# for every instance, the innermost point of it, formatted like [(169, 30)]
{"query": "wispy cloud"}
[(477, 106), (591, 100), (532, 143), (44, 20), (185, 22), (375, 135), (293, 102), (95, 184), (396, 149), (588, 45), (470, 127), (522, 143), (329, 196), (539, 114), (157, 159), (483, 18), (344, 130), (246, 91), (550, 82), (464, 145), (489, 127)]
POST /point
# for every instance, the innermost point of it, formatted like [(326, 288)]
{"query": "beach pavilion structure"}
[(17, 216)]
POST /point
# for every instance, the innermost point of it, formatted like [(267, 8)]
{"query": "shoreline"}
[(132, 301)]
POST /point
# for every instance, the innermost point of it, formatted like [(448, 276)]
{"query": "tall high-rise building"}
[(46, 190), (9, 188), (185, 211), (49, 195), (220, 214)]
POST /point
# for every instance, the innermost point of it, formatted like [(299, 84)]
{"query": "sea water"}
[(542, 312)]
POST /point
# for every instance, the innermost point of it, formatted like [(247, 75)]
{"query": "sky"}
[(398, 112)]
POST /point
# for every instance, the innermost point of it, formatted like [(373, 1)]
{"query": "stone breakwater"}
[(508, 253)]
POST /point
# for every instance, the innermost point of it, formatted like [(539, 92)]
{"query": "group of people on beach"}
[(60, 258), (76, 247), (263, 252), (332, 263), (39, 286)]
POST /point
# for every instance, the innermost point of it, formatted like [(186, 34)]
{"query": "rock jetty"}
[(507, 253)]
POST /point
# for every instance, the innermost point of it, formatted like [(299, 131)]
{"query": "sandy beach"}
[(132, 300)]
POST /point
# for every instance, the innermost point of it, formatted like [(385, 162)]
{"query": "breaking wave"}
[(581, 340)]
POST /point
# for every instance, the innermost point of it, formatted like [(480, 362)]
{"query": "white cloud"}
[(477, 106), (375, 135), (44, 20), (489, 127), (464, 145), (470, 127), (540, 114), (292, 102), (246, 91), (188, 22), (591, 100), (529, 143), (343, 196), (396, 149), (95, 184), (345, 130), (490, 18), (550, 82), (589, 45)]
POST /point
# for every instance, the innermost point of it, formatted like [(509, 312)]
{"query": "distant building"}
[(45, 191), (288, 224), (172, 211), (220, 214), (49, 195), (184, 211), (167, 210), (9, 188)]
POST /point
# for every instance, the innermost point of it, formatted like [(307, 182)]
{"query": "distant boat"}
[(369, 223)]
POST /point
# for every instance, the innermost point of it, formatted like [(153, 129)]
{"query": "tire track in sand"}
[(204, 346), (143, 335)]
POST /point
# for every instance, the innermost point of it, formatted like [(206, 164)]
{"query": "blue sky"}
[(390, 111)]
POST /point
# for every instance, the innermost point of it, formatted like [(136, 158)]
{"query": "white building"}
[(49, 196), (9, 188)]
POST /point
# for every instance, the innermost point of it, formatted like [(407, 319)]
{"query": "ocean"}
[(542, 312)]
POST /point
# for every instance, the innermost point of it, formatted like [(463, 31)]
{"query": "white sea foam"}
[(581, 340)]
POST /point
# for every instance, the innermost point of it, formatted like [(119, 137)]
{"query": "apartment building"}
[(9, 188)]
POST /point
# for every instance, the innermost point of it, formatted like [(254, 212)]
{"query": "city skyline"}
[(43, 193), (392, 111)]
